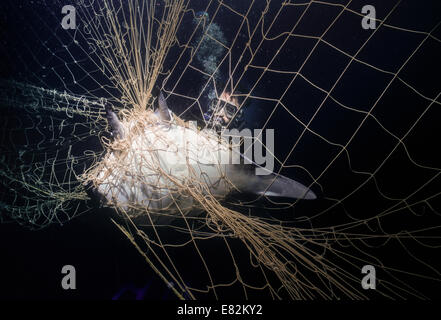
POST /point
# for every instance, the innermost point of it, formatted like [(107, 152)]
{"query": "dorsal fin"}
[(112, 119), (163, 112)]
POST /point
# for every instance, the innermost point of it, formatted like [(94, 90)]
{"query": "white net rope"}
[(352, 112)]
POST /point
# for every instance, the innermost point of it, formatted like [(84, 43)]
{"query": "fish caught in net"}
[(267, 149)]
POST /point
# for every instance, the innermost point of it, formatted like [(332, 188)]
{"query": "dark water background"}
[(107, 264)]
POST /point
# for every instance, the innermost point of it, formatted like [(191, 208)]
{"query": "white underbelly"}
[(161, 167)]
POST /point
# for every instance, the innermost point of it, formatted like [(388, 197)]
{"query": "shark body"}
[(164, 165)]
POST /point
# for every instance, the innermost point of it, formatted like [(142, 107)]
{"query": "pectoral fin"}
[(281, 186), (245, 179)]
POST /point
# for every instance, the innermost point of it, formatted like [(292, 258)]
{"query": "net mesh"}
[(352, 112)]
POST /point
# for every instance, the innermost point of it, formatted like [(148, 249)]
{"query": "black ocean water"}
[(109, 267)]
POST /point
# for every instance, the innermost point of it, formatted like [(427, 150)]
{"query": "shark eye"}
[(230, 110)]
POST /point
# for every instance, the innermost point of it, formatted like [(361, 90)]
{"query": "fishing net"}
[(352, 114)]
